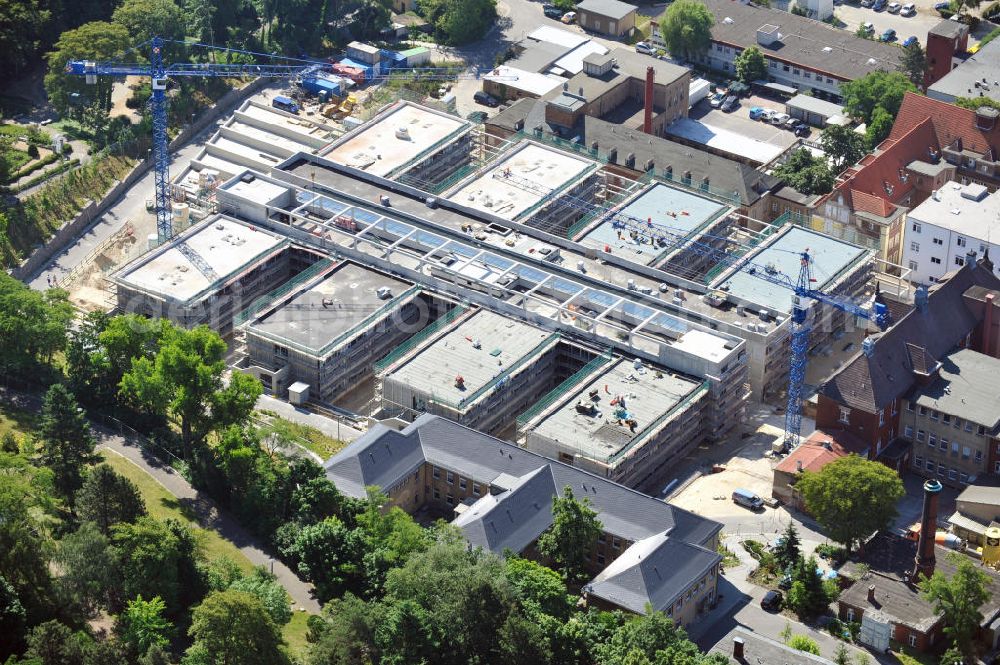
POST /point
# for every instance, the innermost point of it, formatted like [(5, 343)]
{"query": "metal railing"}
[(84, 265), (697, 393), (419, 338), (559, 391), (268, 299)]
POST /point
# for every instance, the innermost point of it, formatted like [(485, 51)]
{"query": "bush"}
[(834, 553), (804, 643), (32, 151), (754, 547)]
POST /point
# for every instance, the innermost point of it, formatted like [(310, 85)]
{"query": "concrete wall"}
[(94, 209)]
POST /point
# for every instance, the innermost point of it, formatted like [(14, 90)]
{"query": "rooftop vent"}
[(384, 293)]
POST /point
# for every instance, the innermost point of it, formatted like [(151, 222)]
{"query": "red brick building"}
[(944, 41)]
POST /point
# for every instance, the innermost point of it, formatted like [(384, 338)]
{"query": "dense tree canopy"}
[(572, 536), (99, 40), (844, 146), (885, 89), (806, 173), (852, 498), (145, 19), (68, 441), (32, 325), (686, 28), (107, 498), (458, 22), (750, 65), (233, 628), (958, 598)]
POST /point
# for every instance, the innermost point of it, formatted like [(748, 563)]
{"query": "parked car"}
[(909, 41), (568, 17), (867, 4), (802, 130), (941, 6), (485, 99), (791, 123), (756, 112), (730, 103), (771, 601), (893, 7), (715, 101), (779, 119), (551, 11), (888, 36), (909, 9), (643, 47), (747, 499), (880, 5), (868, 28)]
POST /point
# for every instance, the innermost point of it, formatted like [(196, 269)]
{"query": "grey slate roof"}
[(610, 8), (981, 494), (804, 40), (870, 383), (968, 386), (516, 517), (764, 651)]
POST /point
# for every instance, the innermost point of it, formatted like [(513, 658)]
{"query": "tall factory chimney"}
[(647, 118), (924, 563)]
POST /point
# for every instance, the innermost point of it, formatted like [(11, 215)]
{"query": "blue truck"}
[(283, 103)]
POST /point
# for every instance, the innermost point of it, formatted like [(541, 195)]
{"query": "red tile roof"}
[(874, 185), (950, 123)]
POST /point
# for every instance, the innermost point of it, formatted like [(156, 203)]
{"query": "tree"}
[(804, 643), (787, 550), (958, 598), (328, 554), (98, 40), (806, 173), (573, 534), (87, 364), (539, 589), (233, 628), (372, 16), (89, 571), (145, 19), (21, 27), (841, 656), (459, 22), (13, 619), (265, 587), (879, 127), (54, 643), (852, 498), (389, 535), (200, 15), (107, 498), (914, 64), (34, 324), (973, 103), (686, 29), (9, 443), (750, 65), (158, 559), (143, 625), (69, 444), (185, 380), (808, 596), (843, 146), (885, 89)]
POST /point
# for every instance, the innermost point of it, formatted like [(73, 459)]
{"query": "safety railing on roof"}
[(419, 338), (268, 299), (559, 391), (735, 255), (691, 235), (446, 141), (655, 425)]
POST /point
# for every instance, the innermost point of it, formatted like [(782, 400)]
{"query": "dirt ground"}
[(88, 285)]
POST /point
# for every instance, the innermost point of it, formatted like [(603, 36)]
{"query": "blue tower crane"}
[(158, 73), (801, 286)]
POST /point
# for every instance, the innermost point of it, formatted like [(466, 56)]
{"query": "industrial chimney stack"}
[(647, 119), (924, 563)]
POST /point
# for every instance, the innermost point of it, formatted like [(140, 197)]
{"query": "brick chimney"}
[(871, 594), (738, 648), (988, 325), (924, 562), (647, 118)]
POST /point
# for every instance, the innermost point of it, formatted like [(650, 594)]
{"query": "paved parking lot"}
[(854, 14), (739, 120)]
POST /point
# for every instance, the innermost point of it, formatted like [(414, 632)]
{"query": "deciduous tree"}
[(880, 88), (98, 40), (852, 498), (145, 19), (958, 598), (686, 28), (233, 628), (21, 28), (573, 534), (843, 146), (143, 625), (329, 555), (750, 65), (265, 587), (879, 127), (806, 173), (158, 559), (33, 325)]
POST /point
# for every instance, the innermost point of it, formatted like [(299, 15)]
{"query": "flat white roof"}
[(258, 190), (270, 138), (265, 158), (225, 245), (553, 35), (501, 342), (950, 210), (521, 79), (723, 139), (572, 62), (377, 146), (648, 393), (549, 169), (702, 344)]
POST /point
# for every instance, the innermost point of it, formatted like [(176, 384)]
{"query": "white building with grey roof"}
[(500, 496)]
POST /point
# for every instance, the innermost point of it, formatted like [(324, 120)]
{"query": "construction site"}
[(417, 264)]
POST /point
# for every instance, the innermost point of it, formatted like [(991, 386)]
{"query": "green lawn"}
[(161, 505), (13, 419)]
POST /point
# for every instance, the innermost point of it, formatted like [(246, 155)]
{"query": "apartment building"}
[(500, 496), (953, 419)]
